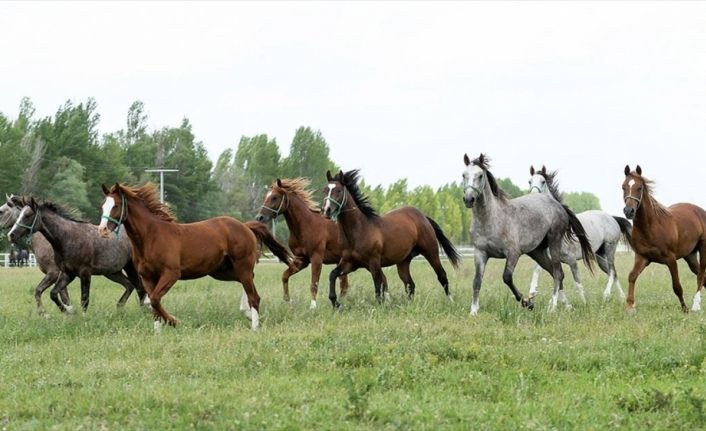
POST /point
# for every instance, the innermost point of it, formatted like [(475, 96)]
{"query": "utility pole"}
[(161, 179)]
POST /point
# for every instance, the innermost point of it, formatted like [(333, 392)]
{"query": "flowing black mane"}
[(483, 162), (552, 184), (350, 181)]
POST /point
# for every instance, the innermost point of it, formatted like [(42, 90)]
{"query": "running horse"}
[(663, 235), (165, 251), (373, 242), (312, 238)]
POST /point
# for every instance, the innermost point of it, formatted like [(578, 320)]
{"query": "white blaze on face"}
[(327, 202), (630, 184), (268, 195), (536, 185), (19, 220), (106, 208)]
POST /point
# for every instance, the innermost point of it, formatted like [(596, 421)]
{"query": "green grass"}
[(424, 364)]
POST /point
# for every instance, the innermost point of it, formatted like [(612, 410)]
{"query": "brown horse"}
[(312, 238), (664, 235), (374, 242), (165, 251)]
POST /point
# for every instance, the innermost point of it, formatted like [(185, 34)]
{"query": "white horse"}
[(604, 232)]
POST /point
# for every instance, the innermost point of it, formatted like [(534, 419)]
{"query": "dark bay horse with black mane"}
[(663, 235), (165, 251), (312, 238), (78, 250), (373, 242)]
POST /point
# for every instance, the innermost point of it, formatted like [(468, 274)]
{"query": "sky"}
[(398, 89)]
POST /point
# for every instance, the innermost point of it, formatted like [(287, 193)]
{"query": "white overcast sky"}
[(398, 89)]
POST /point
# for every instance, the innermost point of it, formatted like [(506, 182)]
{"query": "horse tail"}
[(625, 230), (451, 252), (576, 231), (264, 236)]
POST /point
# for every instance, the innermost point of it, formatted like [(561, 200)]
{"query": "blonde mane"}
[(148, 194), (649, 187), (300, 188)]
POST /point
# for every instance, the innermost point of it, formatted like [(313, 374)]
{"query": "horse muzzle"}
[(629, 212), (104, 231), (469, 201), (262, 219), (12, 237)]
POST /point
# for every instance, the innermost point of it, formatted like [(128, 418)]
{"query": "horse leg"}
[(343, 268), (697, 267), (376, 271), (406, 277), (49, 278), (85, 290), (252, 309), (676, 284), (136, 283), (535, 281), (510, 263), (165, 282), (547, 263), (577, 282), (637, 268), (480, 259), (61, 283), (435, 262), (344, 285), (120, 278), (296, 266)]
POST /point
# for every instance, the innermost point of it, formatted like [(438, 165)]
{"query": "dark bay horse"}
[(505, 228), (78, 250), (663, 235), (373, 242), (165, 251), (43, 252), (312, 238)]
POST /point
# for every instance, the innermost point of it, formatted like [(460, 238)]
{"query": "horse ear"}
[(279, 183), (105, 189), (32, 203), (544, 170), (116, 187), (328, 176), (532, 170), (627, 170), (638, 169), (340, 175), (481, 159), (466, 160)]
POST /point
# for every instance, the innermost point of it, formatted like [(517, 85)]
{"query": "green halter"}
[(118, 223), (31, 228), (279, 209), (339, 205), (478, 190)]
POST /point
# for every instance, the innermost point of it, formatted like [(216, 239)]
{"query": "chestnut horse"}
[(663, 235), (312, 238), (373, 242), (165, 251)]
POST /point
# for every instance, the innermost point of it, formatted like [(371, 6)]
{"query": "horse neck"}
[(352, 221), (56, 230), (487, 206), (297, 215), (646, 216), (140, 222)]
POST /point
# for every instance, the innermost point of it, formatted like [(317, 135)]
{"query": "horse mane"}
[(62, 211), (553, 184), (483, 162), (350, 181), (649, 185), (148, 194), (300, 188)]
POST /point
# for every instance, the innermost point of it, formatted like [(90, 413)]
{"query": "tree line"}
[(65, 159)]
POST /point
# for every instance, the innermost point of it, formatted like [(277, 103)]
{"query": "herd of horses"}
[(140, 245)]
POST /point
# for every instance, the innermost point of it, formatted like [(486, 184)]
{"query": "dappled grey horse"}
[(604, 232), (44, 254), (507, 228), (79, 250)]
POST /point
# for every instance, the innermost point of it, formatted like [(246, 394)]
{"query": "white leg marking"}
[(535, 281), (581, 292), (70, 309), (157, 326), (474, 307), (611, 279), (697, 301), (564, 300), (553, 302), (312, 306), (620, 289), (255, 319), (147, 300)]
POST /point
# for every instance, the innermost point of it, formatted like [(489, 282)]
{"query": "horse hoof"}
[(527, 303), (631, 311), (312, 306), (69, 310)]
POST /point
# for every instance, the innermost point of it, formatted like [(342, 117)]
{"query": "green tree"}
[(309, 157), (69, 188), (510, 188), (582, 201)]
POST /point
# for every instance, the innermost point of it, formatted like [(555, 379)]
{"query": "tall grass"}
[(424, 364)]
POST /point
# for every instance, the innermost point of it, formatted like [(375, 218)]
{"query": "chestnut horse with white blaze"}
[(165, 251), (664, 235), (312, 238)]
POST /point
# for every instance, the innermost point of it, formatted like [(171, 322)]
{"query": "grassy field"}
[(424, 364)]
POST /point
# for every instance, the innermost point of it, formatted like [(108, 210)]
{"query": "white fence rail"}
[(5, 260)]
